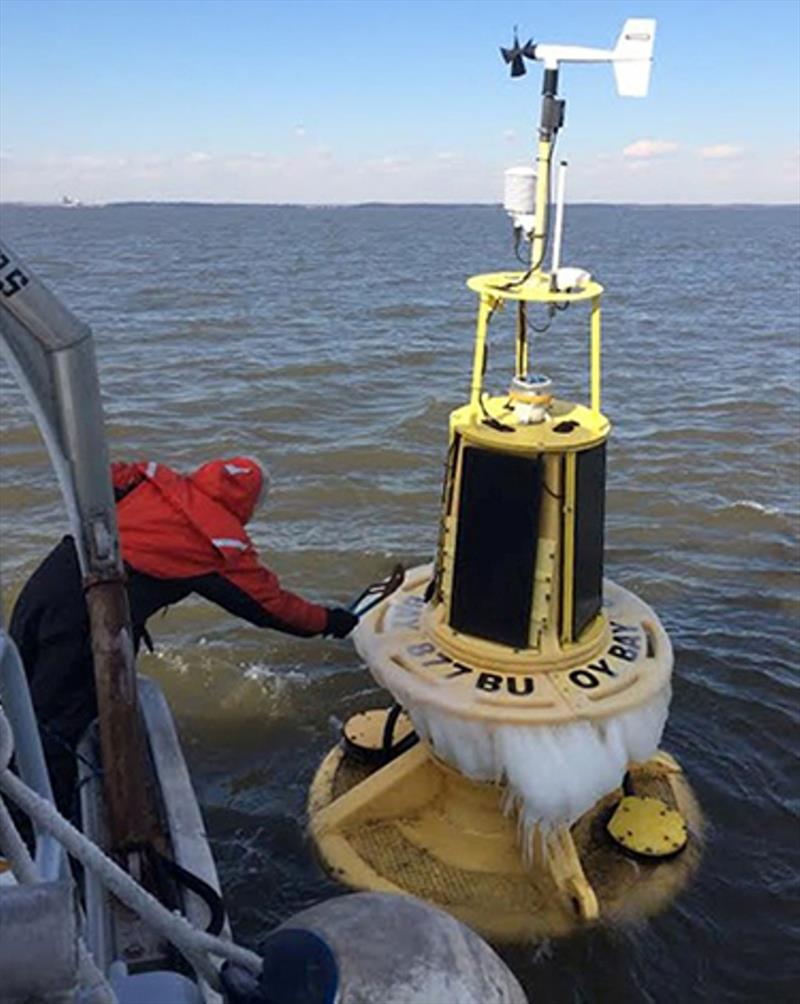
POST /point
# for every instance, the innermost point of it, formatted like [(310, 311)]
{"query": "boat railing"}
[(202, 951), (16, 701)]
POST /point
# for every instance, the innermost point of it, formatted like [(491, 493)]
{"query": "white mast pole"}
[(559, 222)]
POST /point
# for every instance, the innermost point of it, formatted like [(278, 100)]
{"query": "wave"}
[(768, 510)]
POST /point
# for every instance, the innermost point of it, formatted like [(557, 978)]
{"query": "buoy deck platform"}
[(416, 826)]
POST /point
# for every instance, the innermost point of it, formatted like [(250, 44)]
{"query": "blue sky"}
[(357, 100)]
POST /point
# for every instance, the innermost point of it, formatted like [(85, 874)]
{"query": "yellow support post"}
[(542, 198), (479, 361), (595, 366), (568, 544)]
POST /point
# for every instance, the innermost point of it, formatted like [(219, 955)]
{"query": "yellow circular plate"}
[(365, 729), (510, 286), (648, 826)]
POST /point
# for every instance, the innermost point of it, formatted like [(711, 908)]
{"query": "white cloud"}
[(300, 132), (644, 148), (312, 174), (721, 151), (510, 135), (89, 162), (388, 165)]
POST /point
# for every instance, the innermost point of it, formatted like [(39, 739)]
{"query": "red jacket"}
[(179, 527)]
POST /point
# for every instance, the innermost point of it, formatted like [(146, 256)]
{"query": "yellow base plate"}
[(416, 826), (365, 730), (648, 826)]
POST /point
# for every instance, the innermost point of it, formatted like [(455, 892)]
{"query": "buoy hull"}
[(416, 826)]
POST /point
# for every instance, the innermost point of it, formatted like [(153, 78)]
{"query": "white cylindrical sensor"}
[(519, 198), (530, 397)]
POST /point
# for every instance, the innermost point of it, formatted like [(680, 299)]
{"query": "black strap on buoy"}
[(378, 591), (389, 747), (370, 743)]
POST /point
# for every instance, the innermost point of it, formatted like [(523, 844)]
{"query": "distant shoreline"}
[(188, 203)]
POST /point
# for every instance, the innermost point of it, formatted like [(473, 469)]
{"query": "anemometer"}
[(527, 189)]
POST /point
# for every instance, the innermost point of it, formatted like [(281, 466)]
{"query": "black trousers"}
[(50, 626)]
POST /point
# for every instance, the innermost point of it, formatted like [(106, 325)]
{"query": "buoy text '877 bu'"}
[(538, 688)]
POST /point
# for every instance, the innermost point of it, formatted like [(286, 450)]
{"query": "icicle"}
[(554, 774)]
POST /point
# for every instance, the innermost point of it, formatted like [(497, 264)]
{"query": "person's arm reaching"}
[(253, 593)]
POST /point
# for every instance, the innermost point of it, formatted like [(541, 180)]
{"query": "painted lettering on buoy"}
[(583, 678), (430, 657), (440, 659), (437, 658), (587, 678), (626, 646), (489, 681), (515, 685), (627, 642), (407, 613), (513, 682), (459, 669), (627, 654)]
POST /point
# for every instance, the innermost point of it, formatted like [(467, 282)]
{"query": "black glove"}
[(340, 622)]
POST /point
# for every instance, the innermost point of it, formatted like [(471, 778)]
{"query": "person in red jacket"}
[(180, 535)]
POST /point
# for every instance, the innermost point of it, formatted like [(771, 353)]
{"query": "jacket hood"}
[(235, 484)]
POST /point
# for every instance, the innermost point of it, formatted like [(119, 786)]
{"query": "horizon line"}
[(78, 204)]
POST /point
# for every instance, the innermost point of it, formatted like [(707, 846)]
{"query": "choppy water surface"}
[(332, 343)]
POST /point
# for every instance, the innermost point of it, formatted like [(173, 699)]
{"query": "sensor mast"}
[(631, 58)]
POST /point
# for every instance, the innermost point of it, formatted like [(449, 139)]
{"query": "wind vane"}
[(516, 52)]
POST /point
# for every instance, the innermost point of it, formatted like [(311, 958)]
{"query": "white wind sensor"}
[(632, 56)]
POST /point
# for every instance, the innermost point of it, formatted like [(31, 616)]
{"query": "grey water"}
[(332, 343)]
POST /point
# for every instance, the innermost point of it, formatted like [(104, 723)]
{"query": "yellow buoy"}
[(537, 688)]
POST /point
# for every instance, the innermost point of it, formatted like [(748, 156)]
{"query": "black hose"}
[(188, 880)]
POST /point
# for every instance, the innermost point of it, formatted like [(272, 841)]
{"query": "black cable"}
[(542, 330), (493, 423), (389, 748), (65, 744), (193, 883), (551, 493), (517, 255), (378, 591)]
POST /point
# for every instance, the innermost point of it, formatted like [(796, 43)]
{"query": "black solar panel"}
[(496, 542)]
